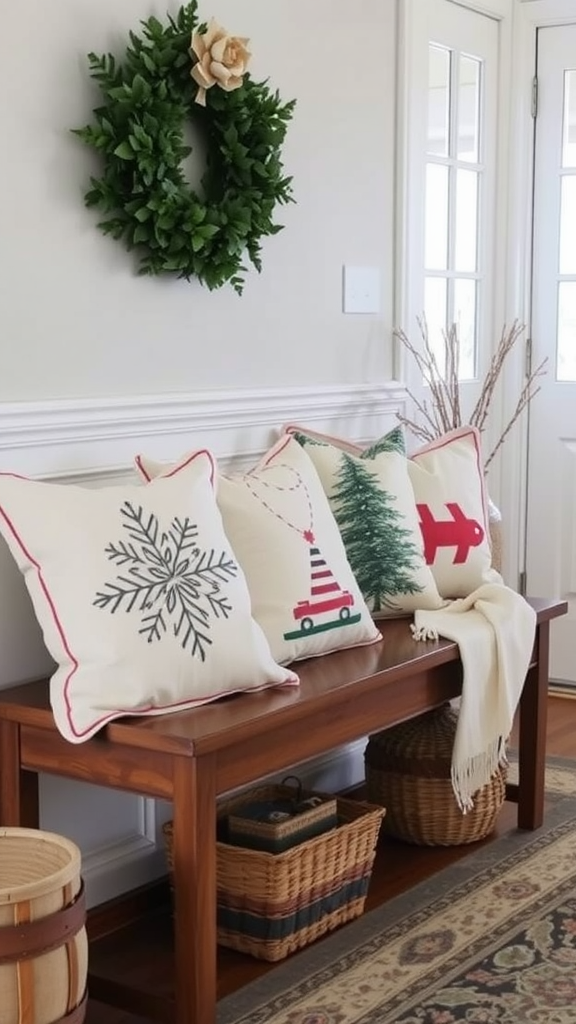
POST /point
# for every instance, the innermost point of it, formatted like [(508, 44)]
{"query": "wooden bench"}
[(191, 757)]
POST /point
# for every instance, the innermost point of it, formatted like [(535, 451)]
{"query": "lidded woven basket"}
[(407, 770)]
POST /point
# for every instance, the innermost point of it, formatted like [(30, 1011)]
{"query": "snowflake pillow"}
[(284, 535), (373, 502), (448, 480), (140, 598)]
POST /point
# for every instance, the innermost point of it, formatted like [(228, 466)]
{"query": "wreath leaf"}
[(138, 134)]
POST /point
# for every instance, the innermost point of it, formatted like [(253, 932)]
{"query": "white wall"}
[(75, 320)]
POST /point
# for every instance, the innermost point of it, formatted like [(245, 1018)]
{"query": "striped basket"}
[(43, 945), (270, 905)]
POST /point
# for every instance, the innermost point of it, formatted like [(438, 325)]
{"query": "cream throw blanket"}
[(494, 628)]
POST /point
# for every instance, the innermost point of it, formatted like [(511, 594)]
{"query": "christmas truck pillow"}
[(448, 481), (284, 535), (141, 600)]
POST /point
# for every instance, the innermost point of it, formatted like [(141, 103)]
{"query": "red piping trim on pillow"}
[(97, 724), (43, 586), (337, 442), (185, 461), (280, 445), (447, 439)]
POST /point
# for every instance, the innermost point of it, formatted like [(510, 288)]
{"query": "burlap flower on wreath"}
[(222, 60)]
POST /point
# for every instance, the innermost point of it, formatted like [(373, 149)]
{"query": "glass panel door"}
[(454, 183)]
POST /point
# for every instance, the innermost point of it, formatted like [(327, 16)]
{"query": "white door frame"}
[(528, 17), (520, 21)]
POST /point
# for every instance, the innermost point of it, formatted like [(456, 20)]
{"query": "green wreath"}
[(139, 134)]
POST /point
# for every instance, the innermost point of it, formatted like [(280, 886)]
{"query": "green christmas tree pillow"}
[(372, 499), (141, 600)]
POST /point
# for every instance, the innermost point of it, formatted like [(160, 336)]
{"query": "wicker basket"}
[(408, 769), (43, 945), (270, 905)]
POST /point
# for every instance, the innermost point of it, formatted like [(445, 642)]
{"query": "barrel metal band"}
[(35, 938)]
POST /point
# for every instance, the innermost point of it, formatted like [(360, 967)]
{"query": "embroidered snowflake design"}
[(167, 579)]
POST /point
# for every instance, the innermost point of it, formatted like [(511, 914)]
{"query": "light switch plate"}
[(361, 290)]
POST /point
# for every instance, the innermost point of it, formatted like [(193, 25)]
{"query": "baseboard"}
[(566, 690), (127, 908)]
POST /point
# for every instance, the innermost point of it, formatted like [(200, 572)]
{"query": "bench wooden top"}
[(335, 680)]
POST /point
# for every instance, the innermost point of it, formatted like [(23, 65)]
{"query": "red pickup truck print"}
[(459, 532), (304, 610), (327, 605)]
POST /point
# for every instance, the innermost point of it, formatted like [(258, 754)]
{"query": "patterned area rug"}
[(490, 940)]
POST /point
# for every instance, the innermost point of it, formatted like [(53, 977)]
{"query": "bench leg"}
[(194, 814), (18, 789), (532, 735)]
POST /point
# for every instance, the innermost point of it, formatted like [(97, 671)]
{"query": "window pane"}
[(465, 320), (466, 221), (438, 100), (568, 225), (566, 361), (469, 110), (435, 293), (569, 130), (436, 255)]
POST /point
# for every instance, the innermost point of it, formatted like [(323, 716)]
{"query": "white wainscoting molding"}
[(93, 442), (65, 438)]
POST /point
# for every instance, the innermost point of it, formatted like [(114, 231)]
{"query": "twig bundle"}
[(444, 412)]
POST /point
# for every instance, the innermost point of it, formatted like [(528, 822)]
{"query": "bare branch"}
[(508, 339), (526, 395), (445, 411)]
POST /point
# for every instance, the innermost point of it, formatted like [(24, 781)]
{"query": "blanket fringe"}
[(476, 773), (424, 633)]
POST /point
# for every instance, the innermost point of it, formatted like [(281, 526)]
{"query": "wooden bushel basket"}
[(43, 944)]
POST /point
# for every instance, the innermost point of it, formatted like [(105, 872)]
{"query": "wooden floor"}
[(398, 866)]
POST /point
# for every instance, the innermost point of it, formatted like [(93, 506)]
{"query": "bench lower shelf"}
[(133, 966)]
